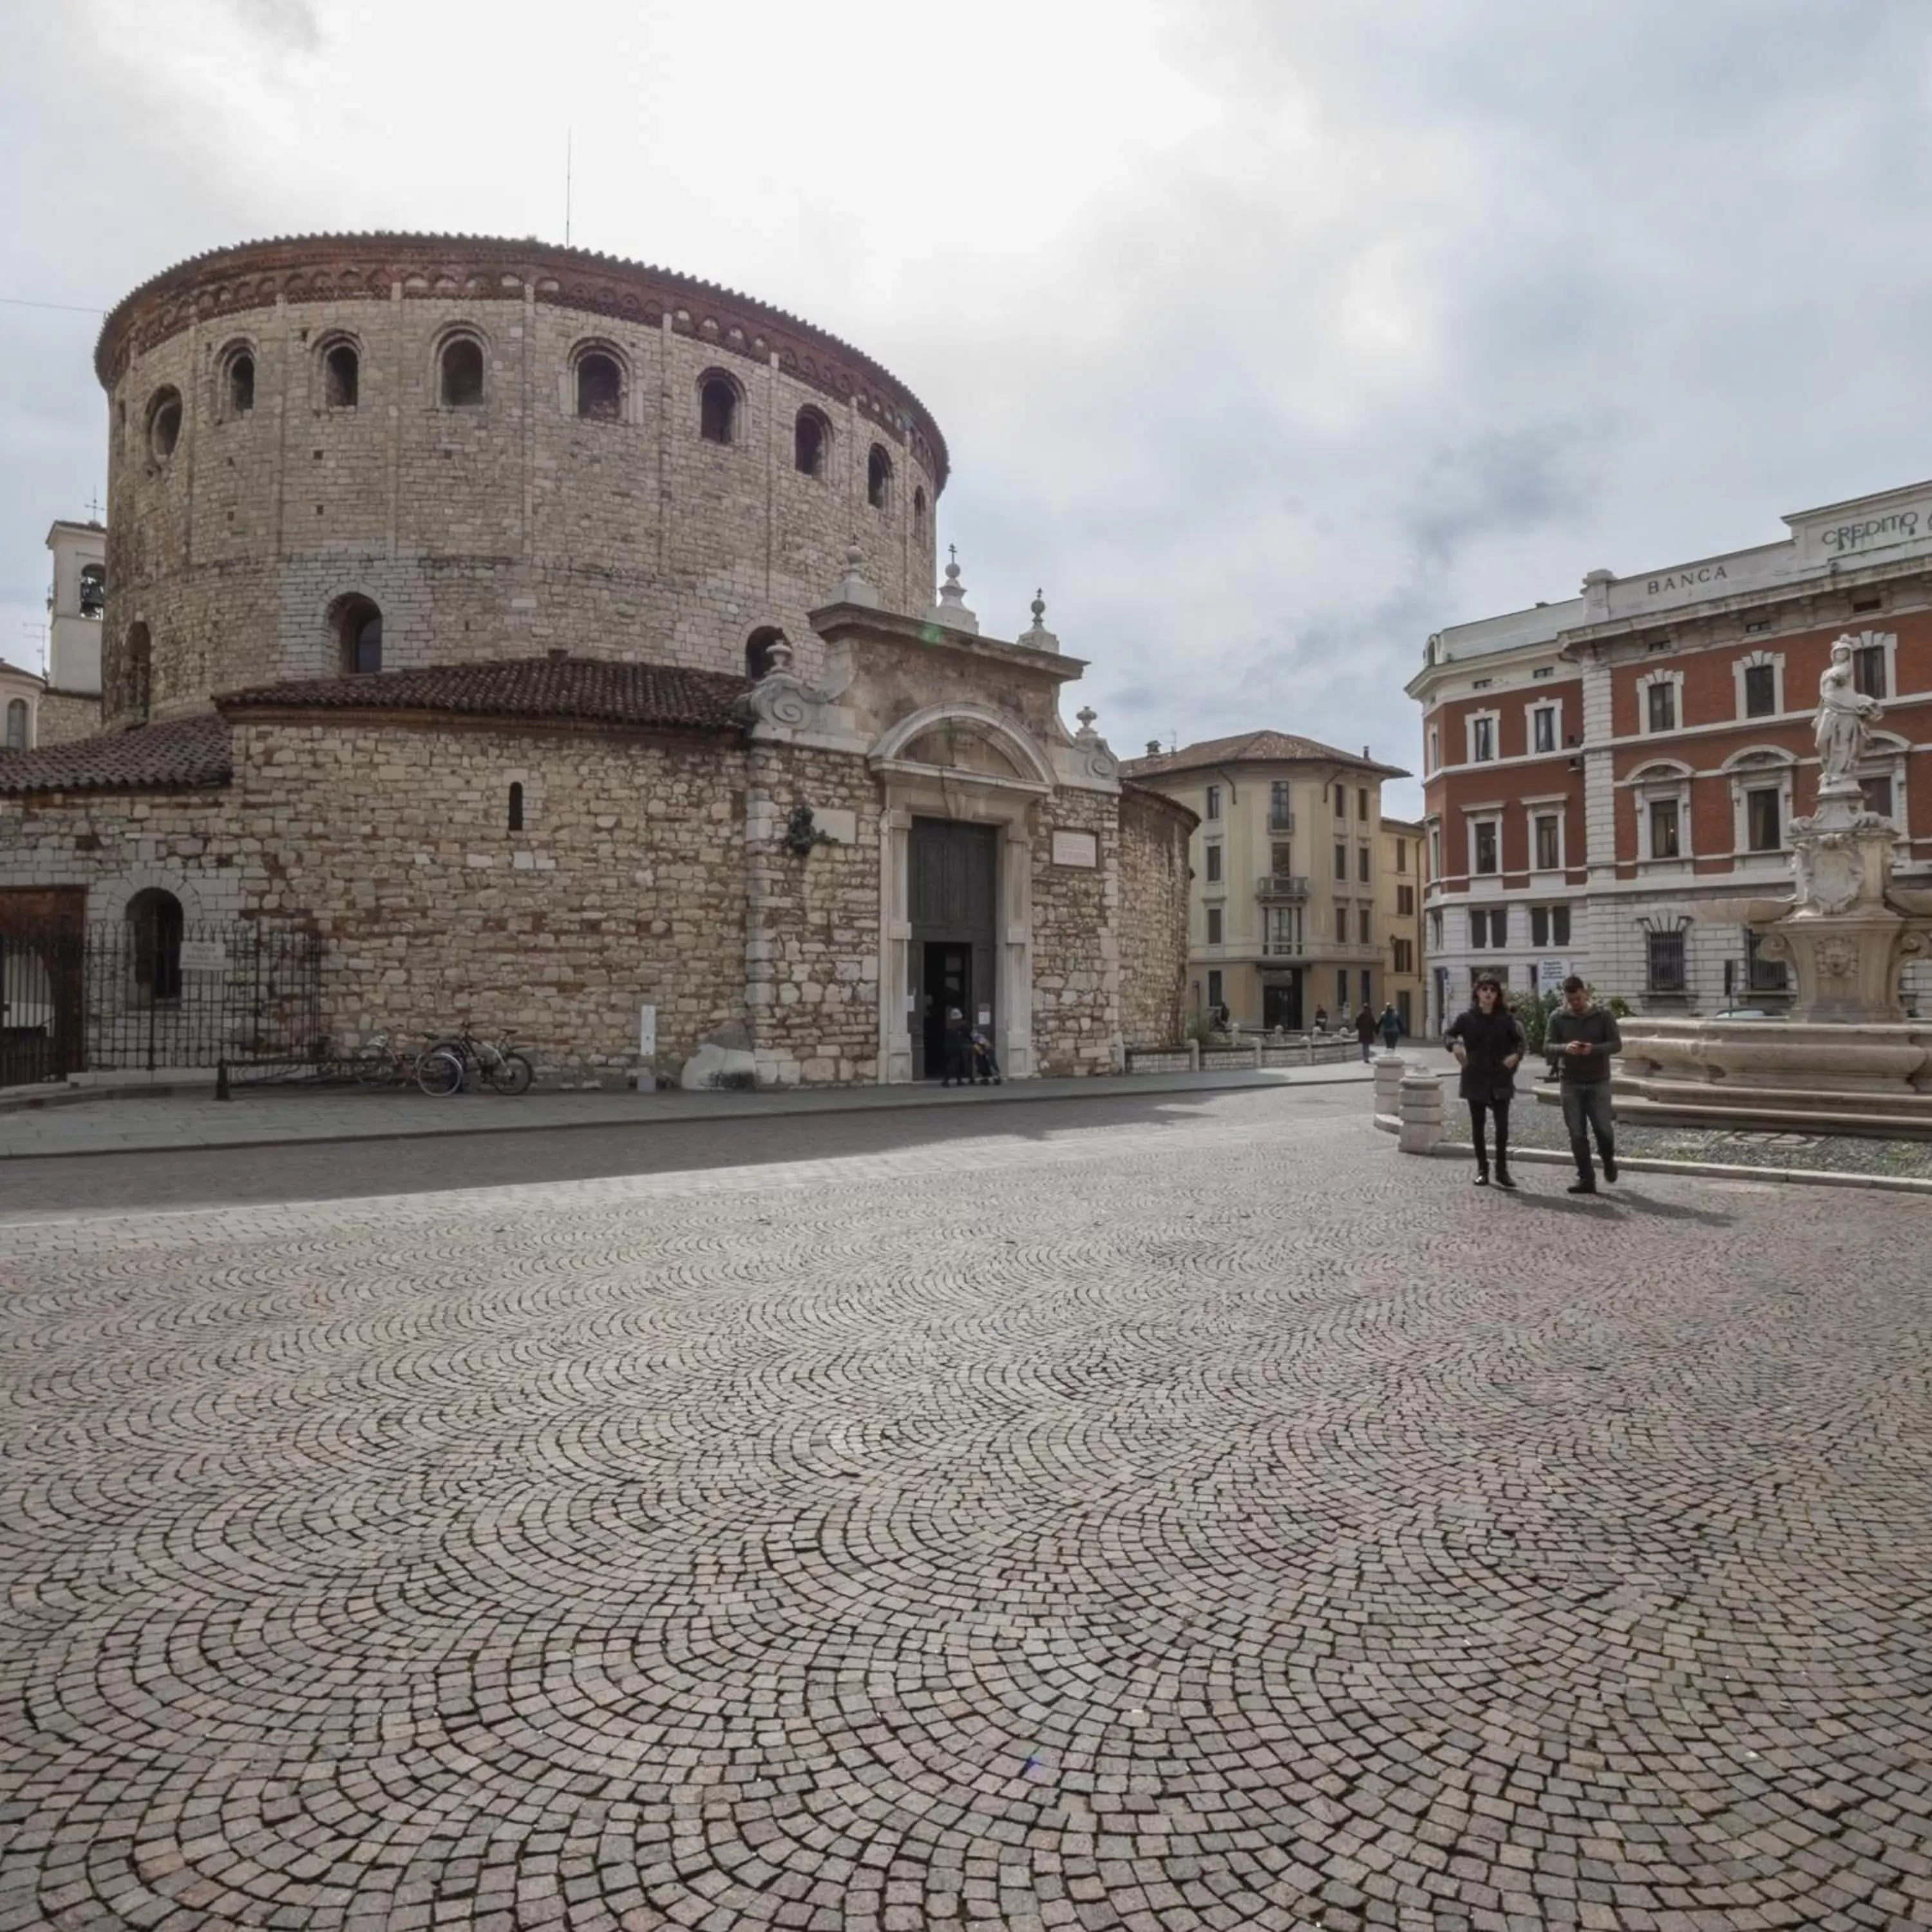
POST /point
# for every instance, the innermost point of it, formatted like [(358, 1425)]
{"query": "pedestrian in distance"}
[(1321, 1019), (959, 1050), (1489, 1044), (1579, 1040), (1365, 1031), (1389, 1026)]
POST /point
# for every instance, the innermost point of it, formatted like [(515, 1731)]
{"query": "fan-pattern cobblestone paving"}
[(1232, 1523)]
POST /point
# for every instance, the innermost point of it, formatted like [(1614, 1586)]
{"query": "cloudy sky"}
[(1268, 335)]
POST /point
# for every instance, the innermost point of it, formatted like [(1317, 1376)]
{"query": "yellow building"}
[(1400, 905), (1286, 906)]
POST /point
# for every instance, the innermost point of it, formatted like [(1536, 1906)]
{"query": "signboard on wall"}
[(1075, 848), (204, 956), (1551, 974), (647, 1032)]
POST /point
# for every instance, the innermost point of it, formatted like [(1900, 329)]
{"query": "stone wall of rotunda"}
[(252, 499), (623, 886), (1154, 835)]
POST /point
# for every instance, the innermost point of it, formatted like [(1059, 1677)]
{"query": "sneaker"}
[(1609, 1167), (1482, 1177), (1581, 1187)]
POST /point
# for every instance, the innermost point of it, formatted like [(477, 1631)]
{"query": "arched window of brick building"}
[(461, 367), (341, 375), (17, 724), (358, 631), (140, 674), (811, 442), (600, 387), (878, 478), (718, 408), (238, 381), (154, 930), (164, 423)]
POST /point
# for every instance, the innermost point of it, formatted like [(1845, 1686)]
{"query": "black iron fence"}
[(149, 994)]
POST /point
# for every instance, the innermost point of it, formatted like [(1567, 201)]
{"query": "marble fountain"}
[(1847, 1060)]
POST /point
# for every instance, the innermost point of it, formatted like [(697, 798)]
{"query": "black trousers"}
[(1478, 1110)]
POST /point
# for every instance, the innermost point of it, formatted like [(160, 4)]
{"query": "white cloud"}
[(1268, 338)]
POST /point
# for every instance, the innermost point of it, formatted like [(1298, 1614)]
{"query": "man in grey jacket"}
[(1580, 1041)]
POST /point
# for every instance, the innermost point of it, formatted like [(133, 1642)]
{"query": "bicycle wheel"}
[(511, 1074), (439, 1074)]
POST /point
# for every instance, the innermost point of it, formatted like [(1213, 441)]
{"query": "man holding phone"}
[(1579, 1040)]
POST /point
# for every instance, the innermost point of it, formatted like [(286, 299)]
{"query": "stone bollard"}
[(1389, 1071), (1258, 1054), (1421, 1112), (1194, 1056)]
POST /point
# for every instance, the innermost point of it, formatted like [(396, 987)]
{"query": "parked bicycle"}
[(383, 1062), (445, 1067)]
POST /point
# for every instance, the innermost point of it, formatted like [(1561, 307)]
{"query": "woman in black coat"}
[(1488, 1042)]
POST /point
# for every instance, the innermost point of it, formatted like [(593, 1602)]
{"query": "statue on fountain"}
[(1843, 732)]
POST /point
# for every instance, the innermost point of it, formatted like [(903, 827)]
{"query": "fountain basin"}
[(1873, 1078)]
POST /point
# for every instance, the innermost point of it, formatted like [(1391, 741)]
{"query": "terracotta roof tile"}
[(183, 754), (589, 688), (1254, 748)]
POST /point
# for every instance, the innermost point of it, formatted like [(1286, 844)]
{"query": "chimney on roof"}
[(557, 653), (1365, 750), (1153, 748)]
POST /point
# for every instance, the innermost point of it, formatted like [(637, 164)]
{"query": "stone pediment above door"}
[(956, 747), (974, 743)]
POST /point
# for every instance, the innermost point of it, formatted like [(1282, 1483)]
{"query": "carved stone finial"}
[(778, 655), (853, 586), (1038, 637), (1086, 714), (951, 609)]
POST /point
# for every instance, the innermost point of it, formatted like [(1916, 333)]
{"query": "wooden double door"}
[(952, 893)]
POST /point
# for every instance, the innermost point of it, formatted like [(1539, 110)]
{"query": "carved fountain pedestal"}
[(1847, 1060)]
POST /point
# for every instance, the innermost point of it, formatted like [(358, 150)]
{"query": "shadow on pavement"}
[(342, 1169)]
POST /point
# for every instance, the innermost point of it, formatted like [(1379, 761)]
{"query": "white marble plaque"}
[(1075, 848)]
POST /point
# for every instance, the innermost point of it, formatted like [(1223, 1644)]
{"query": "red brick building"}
[(1592, 768)]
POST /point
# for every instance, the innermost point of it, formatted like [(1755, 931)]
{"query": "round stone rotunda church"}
[(554, 638)]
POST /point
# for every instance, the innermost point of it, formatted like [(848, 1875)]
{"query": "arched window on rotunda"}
[(358, 631), (718, 410), (461, 364), (600, 387), (811, 443)]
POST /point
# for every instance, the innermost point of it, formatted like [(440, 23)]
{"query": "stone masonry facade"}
[(1155, 832), (659, 700), (505, 526)]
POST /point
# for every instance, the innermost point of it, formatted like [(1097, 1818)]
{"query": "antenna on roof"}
[(567, 133)]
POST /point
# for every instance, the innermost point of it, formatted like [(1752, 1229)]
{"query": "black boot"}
[(1610, 1153), (1502, 1149)]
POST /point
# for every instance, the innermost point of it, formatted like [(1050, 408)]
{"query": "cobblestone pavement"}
[(1535, 1125), (1226, 1523)]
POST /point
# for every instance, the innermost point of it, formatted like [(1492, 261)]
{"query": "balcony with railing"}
[(1281, 885), (1320, 951)]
